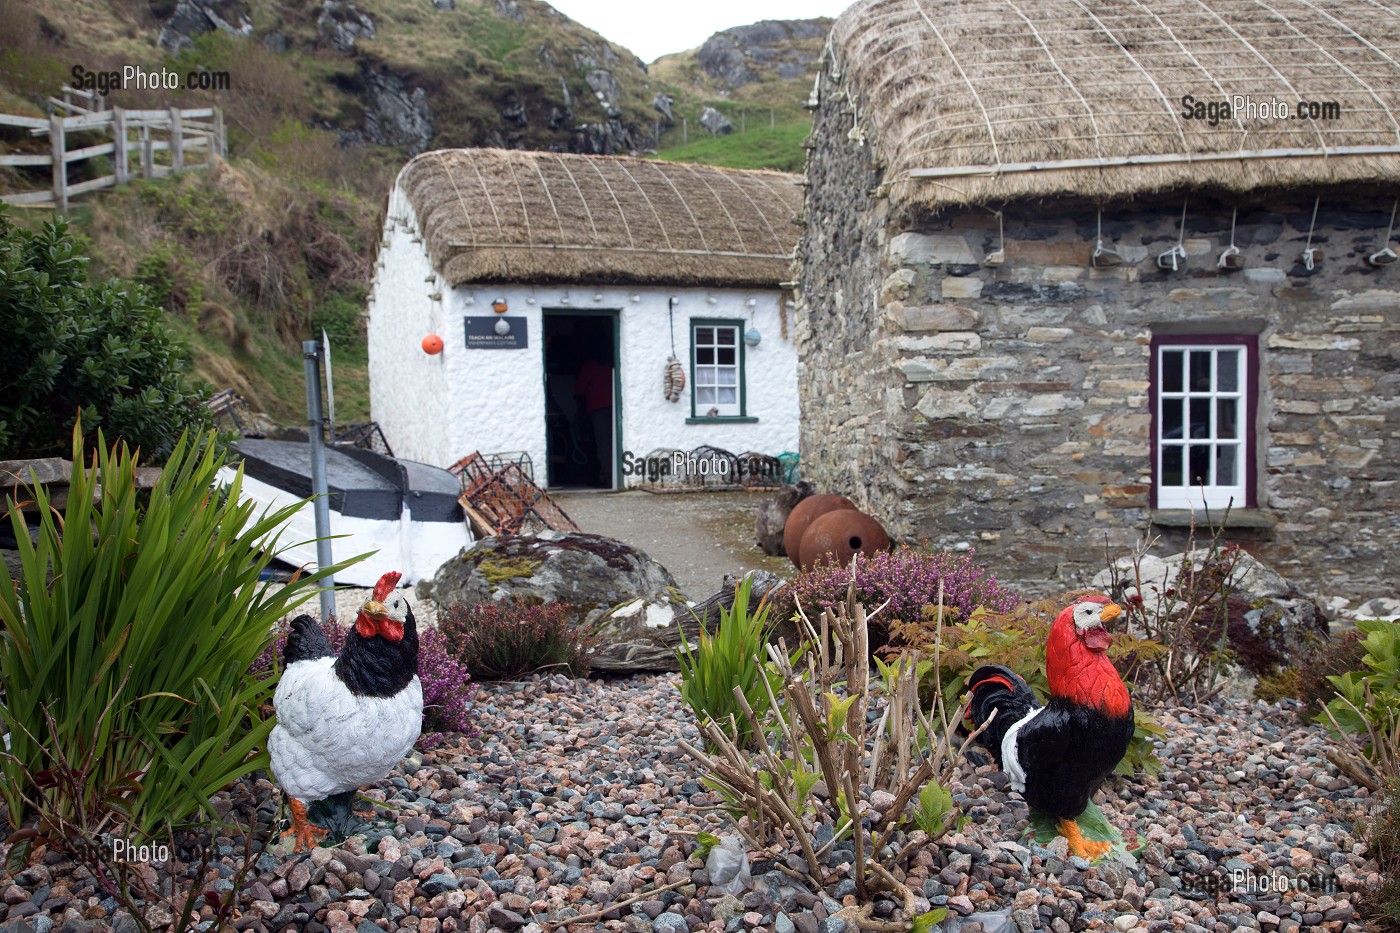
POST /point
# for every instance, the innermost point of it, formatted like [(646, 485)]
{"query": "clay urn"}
[(802, 515), (838, 535)]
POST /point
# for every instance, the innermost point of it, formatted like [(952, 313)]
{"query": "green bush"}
[(1366, 709), (70, 348), (132, 623), (173, 279), (733, 656)]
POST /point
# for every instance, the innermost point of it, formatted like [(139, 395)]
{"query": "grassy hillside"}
[(279, 241)]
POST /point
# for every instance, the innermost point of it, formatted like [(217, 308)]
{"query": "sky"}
[(659, 27)]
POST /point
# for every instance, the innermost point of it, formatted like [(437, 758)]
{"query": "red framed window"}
[(1204, 399)]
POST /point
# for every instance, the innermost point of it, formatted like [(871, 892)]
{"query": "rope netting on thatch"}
[(510, 215), (983, 101)]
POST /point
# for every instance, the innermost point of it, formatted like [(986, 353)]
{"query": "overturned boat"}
[(405, 511)]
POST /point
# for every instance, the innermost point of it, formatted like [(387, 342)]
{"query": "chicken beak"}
[(372, 616), (1110, 612)]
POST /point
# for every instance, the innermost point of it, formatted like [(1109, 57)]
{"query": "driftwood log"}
[(655, 649)]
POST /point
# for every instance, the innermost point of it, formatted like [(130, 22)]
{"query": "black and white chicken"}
[(344, 722)]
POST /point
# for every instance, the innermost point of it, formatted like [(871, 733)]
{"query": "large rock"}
[(715, 122), (1273, 623), (342, 24), (395, 114), (594, 573), (196, 17)]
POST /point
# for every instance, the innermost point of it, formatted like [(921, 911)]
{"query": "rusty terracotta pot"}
[(803, 515), (839, 534)]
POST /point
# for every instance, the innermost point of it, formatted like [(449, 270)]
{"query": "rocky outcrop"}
[(342, 24), (715, 122), (744, 54), (1272, 622), (395, 114), (661, 103), (196, 17), (605, 88)]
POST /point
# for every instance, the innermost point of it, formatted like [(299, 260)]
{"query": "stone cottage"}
[(587, 310), (1074, 274)]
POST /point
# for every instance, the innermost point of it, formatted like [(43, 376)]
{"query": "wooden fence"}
[(161, 142)]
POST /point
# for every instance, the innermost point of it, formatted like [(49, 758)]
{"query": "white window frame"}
[(1208, 494), (708, 375)]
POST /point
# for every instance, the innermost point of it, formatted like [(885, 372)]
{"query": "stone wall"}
[(1005, 408)]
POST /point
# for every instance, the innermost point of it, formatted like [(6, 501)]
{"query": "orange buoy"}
[(432, 344)]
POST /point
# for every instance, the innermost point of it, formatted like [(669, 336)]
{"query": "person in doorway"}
[(594, 389)]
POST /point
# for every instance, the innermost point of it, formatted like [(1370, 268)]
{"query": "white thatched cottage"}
[(559, 286), (1076, 272)]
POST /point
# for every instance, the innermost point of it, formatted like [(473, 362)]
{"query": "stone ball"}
[(838, 535), (802, 515)]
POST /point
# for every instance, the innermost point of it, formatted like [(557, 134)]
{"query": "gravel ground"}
[(575, 800)]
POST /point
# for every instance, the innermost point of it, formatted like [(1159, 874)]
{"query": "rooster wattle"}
[(344, 722), (1059, 754)]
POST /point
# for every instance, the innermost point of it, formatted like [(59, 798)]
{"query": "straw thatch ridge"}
[(496, 215), (1014, 88)]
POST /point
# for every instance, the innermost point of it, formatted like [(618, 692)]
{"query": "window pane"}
[(1171, 370), (728, 376), (705, 354), (1200, 417), (726, 356), (1228, 371), (1200, 370), (1227, 419), (704, 335), (1171, 465), (704, 395), (1171, 418), (726, 335), (1199, 474), (1225, 465), (729, 396)]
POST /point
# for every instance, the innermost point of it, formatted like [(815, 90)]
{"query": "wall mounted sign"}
[(482, 335)]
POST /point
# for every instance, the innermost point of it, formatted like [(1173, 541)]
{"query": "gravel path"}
[(575, 799)]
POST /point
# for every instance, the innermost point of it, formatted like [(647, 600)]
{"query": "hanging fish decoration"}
[(673, 380)]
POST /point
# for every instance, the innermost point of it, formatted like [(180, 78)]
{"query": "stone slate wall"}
[(1005, 408)]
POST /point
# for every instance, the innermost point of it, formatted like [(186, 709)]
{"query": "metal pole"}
[(311, 356)]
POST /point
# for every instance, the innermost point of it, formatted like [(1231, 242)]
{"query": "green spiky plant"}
[(127, 637), (731, 656)]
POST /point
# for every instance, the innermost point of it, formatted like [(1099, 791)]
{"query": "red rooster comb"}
[(386, 585)]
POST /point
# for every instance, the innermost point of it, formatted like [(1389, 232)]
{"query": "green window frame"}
[(717, 383)]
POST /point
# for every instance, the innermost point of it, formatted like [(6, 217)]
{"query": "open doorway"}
[(581, 404)]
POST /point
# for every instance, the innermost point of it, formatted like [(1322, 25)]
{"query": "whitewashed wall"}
[(437, 409)]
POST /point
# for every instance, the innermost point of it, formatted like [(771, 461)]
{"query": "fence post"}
[(60, 162), (220, 141), (119, 155), (177, 141), (148, 154)]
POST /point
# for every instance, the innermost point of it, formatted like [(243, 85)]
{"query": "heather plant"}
[(447, 688), (906, 581), (502, 640)]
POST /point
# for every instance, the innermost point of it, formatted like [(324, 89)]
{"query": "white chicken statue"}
[(344, 722)]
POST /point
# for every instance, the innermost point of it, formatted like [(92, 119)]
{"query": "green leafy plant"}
[(728, 660), (1365, 713), (129, 631), (499, 641), (71, 347)]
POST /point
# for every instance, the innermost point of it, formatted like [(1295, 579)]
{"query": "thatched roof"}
[(986, 101), (496, 215)]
